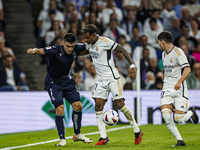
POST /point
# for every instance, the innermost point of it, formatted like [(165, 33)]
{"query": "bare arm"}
[(184, 76), (120, 49), (125, 53), (35, 51), (85, 52)]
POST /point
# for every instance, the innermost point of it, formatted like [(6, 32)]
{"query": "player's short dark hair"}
[(90, 28), (69, 37), (165, 36)]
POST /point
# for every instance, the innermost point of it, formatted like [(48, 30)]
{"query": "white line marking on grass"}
[(92, 133)]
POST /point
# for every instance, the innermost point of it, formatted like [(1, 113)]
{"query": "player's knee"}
[(77, 106), (166, 117), (120, 103), (98, 107), (60, 110), (166, 114), (179, 118)]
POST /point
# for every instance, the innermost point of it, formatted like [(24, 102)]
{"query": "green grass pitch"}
[(156, 137)]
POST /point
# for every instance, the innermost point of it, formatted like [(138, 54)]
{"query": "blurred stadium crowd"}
[(134, 24)]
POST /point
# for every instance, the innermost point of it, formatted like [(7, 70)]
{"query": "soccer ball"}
[(110, 117)]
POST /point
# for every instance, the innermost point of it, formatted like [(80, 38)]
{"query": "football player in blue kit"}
[(59, 83)]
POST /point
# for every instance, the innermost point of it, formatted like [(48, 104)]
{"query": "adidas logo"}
[(116, 95), (182, 106)]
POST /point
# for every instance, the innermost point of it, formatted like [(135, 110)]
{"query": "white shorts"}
[(176, 98), (102, 89)]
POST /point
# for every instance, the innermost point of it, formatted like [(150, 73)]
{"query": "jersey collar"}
[(62, 50), (96, 40), (170, 50)]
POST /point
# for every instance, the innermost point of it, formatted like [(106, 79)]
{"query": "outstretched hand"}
[(133, 73), (30, 51)]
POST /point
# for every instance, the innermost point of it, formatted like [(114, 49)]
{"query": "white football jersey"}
[(173, 63), (102, 56)]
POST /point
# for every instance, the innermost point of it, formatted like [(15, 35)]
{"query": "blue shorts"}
[(57, 92)]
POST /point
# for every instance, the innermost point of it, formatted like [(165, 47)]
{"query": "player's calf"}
[(180, 118)]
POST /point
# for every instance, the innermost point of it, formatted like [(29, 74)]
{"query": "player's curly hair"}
[(165, 36), (90, 28), (69, 37)]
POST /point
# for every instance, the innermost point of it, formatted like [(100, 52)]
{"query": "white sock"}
[(173, 129), (180, 118), (170, 124), (101, 124), (129, 116)]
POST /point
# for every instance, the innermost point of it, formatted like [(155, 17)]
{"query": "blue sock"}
[(60, 126), (76, 118)]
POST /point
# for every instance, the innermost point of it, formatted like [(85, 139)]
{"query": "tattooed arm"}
[(125, 53), (120, 49)]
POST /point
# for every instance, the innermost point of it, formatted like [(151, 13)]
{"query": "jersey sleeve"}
[(110, 44), (79, 47), (50, 51), (182, 59)]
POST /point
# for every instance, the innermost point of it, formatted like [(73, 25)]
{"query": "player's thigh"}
[(71, 95), (99, 104), (100, 90), (166, 97), (181, 104), (56, 95), (116, 89)]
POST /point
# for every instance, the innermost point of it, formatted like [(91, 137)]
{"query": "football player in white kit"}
[(100, 49), (174, 93)]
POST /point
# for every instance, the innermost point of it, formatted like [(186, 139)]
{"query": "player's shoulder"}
[(55, 47), (178, 51), (79, 46), (104, 39)]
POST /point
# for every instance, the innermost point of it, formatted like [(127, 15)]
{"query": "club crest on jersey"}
[(170, 60), (97, 48)]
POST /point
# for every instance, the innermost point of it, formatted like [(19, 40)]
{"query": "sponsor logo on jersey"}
[(168, 68), (94, 54)]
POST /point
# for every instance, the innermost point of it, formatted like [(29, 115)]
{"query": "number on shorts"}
[(95, 86), (162, 94)]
